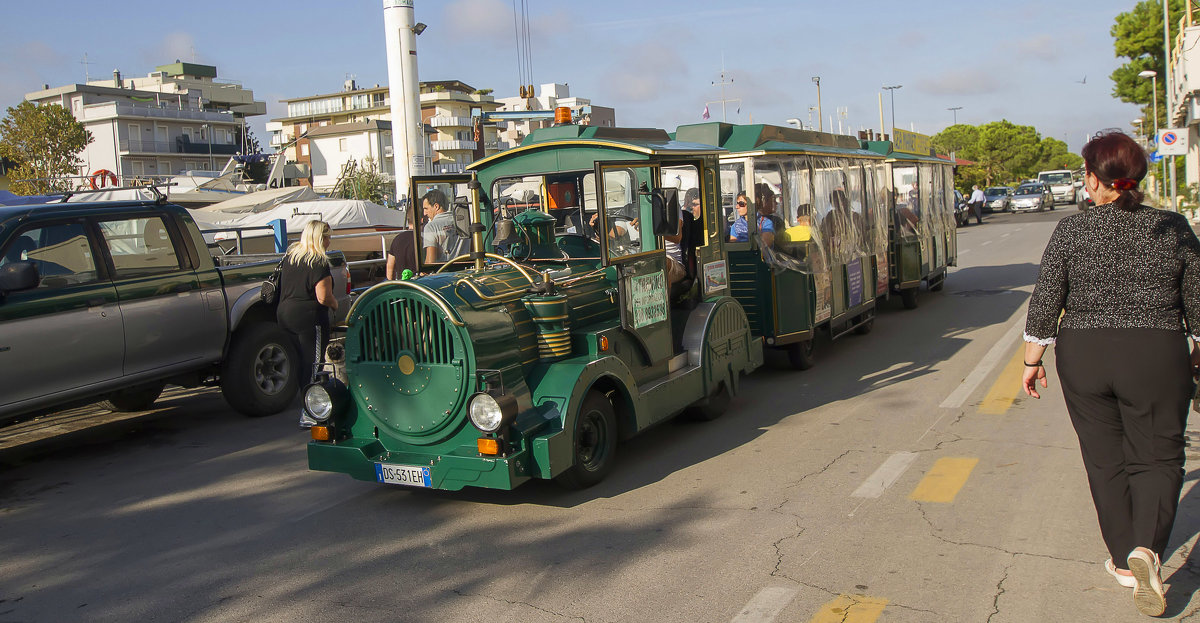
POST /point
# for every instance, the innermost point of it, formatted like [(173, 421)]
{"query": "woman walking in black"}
[(1126, 279), (306, 296)]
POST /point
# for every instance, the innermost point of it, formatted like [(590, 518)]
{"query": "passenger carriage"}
[(554, 333), (922, 239), (826, 263)]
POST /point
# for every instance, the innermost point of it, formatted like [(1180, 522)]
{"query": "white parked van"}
[(1062, 184)]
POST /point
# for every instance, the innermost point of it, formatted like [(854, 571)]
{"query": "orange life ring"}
[(104, 176)]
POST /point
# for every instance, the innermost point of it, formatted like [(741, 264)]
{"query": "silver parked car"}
[(998, 198), (1032, 197)]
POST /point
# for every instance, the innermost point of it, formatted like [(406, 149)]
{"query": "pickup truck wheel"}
[(594, 443), (136, 399), (259, 376)]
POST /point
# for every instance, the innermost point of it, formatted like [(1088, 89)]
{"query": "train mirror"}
[(666, 211)]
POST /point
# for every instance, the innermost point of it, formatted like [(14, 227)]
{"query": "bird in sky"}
[(1084, 81)]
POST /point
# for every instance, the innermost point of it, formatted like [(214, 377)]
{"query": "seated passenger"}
[(766, 208), (739, 231), (681, 247)]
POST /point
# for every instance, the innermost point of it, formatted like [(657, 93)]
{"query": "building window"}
[(341, 144), (304, 149)]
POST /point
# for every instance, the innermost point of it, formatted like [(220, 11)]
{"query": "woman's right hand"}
[(1030, 379), (1195, 359)]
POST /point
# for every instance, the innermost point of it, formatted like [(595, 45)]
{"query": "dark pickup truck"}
[(111, 301)]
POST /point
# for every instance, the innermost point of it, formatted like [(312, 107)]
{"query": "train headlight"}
[(324, 398), (488, 413)]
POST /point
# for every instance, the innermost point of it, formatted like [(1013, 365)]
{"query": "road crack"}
[(934, 533), (999, 592), (518, 603)]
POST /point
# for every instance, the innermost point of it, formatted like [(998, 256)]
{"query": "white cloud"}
[(1041, 47), (967, 81), (479, 18), (644, 72)]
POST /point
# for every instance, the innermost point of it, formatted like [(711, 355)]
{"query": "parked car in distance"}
[(1033, 197), (998, 198), (962, 213), (113, 300), (1062, 184)]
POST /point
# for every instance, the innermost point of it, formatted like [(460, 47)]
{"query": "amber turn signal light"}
[(603, 343), (488, 446), (321, 433)]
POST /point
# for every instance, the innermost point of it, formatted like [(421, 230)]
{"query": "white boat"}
[(345, 216)]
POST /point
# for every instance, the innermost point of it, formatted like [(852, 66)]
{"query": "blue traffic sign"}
[(1155, 156)]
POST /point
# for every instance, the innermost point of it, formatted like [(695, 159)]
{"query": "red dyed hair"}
[(1116, 159)]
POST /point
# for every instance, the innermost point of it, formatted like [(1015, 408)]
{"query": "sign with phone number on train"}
[(649, 299)]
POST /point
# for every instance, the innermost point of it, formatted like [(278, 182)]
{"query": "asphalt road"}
[(901, 479)]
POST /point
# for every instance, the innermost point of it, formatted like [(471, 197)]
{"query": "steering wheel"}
[(621, 243)]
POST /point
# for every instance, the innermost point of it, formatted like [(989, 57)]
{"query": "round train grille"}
[(408, 366)]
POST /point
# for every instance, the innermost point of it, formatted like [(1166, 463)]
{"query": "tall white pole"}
[(1167, 87), (407, 135)]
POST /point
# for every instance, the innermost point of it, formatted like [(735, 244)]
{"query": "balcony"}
[(177, 146), (450, 122), (109, 110), (452, 145)]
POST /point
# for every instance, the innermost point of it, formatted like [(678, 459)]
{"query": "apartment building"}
[(318, 127), (179, 118), (550, 96)]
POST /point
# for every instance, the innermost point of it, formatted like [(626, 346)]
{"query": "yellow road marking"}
[(943, 480), (850, 609), (1007, 386)]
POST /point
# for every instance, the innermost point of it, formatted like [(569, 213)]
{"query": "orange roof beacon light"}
[(562, 116)]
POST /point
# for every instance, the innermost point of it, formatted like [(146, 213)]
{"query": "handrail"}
[(467, 256)]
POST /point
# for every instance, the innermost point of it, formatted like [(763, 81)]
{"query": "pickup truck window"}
[(139, 246), (61, 253)]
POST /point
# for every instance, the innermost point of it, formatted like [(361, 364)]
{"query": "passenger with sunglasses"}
[(739, 231)]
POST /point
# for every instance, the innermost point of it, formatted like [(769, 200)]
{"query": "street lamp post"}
[(820, 119), (955, 109), (1153, 76), (892, 90), (209, 137)]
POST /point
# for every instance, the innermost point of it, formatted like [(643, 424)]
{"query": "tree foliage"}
[(1003, 152), (1138, 37), (362, 181), (45, 142)]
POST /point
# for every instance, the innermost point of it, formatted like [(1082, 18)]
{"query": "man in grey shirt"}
[(439, 234)]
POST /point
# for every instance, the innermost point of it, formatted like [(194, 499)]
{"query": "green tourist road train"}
[(596, 281)]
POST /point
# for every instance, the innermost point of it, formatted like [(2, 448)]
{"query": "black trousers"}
[(1128, 392), (309, 326), (977, 210)]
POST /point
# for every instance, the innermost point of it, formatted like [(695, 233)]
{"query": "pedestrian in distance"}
[(1126, 279), (976, 202), (306, 295)]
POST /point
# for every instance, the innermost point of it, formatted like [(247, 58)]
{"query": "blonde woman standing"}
[(306, 295), (1126, 279)]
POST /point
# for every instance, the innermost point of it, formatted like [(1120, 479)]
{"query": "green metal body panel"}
[(416, 351)]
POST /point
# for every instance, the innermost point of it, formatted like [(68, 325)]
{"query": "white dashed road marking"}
[(766, 605), (878, 482)]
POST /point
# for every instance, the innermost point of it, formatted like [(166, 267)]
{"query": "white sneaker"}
[(1128, 581), (1148, 593)]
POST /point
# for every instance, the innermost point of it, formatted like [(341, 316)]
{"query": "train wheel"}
[(802, 354), (909, 297), (595, 443), (937, 287), (713, 406)]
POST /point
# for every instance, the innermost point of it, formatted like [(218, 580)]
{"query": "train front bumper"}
[(367, 459)]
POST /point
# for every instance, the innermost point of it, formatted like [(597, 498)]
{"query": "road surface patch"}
[(850, 609), (943, 481)]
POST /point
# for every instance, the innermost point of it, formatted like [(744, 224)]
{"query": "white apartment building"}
[(1185, 96), (311, 135), (178, 118), (551, 96)]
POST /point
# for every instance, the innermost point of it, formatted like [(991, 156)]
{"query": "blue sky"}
[(654, 62)]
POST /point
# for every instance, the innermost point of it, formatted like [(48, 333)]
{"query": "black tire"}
[(712, 407), (866, 326), (258, 377), (135, 399), (594, 443), (938, 285), (802, 355), (909, 298)]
